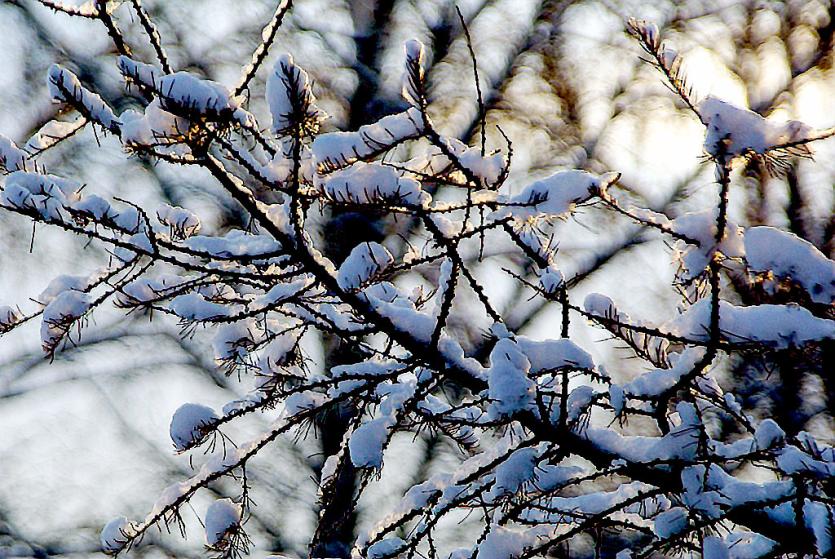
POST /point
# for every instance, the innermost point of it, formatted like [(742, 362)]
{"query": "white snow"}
[(748, 545), (553, 196), (136, 129), (743, 130), (139, 72), (222, 518), (565, 509), (234, 340), (12, 158), (657, 381), (300, 402), (551, 280), (188, 92), (140, 241), (46, 194), (392, 303), (777, 326), (699, 496), (505, 543), (115, 535), (792, 460), (143, 290), (59, 284), (819, 520), (415, 54), (65, 86), (530, 236), (768, 434), (341, 148), (510, 388), (771, 251), (701, 227), (277, 354), (515, 471), (714, 548), (189, 425), (234, 243), (486, 168), (365, 263), (8, 317), (185, 93), (579, 401), (279, 169), (366, 443), (599, 305), (96, 208), (386, 548), (710, 492), (680, 443), (181, 222), (329, 469), (554, 354), (445, 225), (50, 134), (281, 292), (60, 314), (670, 523), (153, 127), (286, 84), (445, 280), (372, 183), (617, 398), (128, 219)]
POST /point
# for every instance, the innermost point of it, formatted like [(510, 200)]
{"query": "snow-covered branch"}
[(551, 446)]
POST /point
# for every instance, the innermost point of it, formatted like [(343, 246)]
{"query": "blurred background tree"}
[(86, 436)]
